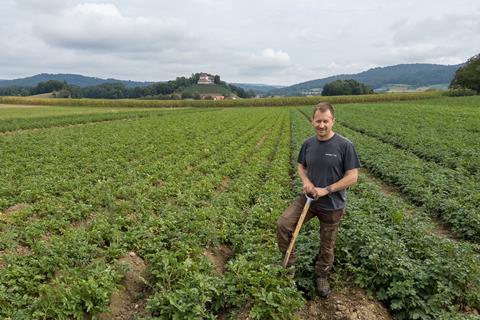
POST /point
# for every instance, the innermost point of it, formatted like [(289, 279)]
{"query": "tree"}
[(49, 86), (106, 91), (15, 91), (468, 76), (74, 91), (345, 87)]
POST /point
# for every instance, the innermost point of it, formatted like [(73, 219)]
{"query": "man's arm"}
[(308, 186), (349, 179)]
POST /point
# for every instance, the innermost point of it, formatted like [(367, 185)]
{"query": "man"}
[(327, 165)]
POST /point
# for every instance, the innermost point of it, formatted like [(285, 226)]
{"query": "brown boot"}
[(323, 287)]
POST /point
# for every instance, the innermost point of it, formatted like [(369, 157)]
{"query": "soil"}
[(130, 300), (243, 312), (16, 208), (262, 139), (18, 251), (219, 257), (225, 182), (84, 223), (345, 304), (388, 190)]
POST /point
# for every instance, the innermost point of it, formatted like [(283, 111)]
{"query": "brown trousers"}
[(329, 222)]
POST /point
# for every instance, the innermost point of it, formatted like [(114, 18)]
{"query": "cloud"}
[(103, 28), (435, 39), (276, 42), (42, 6), (266, 59)]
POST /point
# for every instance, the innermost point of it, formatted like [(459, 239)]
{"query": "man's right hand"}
[(309, 188)]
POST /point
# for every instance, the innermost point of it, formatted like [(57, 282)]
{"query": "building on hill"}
[(205, 78)]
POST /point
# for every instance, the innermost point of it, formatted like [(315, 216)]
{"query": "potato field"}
[(151, 213)]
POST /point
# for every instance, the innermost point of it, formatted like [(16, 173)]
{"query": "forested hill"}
[(417, 75), (257, 87), (73, 79)]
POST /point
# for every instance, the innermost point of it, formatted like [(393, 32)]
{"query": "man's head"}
[(323, 119)]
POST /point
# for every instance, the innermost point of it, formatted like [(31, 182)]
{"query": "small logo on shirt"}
[(331, 155)]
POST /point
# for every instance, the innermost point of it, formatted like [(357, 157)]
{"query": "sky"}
[(263, 41)]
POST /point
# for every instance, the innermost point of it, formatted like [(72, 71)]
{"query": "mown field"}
[(181, 205)]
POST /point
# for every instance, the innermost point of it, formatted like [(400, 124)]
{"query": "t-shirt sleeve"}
[(351, 158), (302, 158)]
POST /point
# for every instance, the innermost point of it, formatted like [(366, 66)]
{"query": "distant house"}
[(213, 96), (205, 78)]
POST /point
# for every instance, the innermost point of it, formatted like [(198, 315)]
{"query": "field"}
[(126, 213), (27, 111)]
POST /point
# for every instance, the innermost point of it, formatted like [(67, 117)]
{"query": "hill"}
[(206, 88), (381, 78), (257, 87), (75, 79)]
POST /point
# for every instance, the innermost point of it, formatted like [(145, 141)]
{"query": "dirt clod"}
[(16, 208), (349, 304), (19, 250), (130, 300), (219, 257), (225, 182)]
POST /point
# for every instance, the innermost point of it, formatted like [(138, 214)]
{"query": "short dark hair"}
[(324, 107)]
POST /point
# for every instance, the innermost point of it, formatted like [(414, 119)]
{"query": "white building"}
[(205, 78)]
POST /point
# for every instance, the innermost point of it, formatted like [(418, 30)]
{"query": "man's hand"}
[(309, 188), (320, 192)]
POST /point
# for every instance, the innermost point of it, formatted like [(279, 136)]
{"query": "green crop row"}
[(280, 101), (117, 188), (14, 124), (185, 286), (19, 111), (254, 270), (418, 127), (394, 254), (93, 200), (443, 192), (222, 222), (77, 180)]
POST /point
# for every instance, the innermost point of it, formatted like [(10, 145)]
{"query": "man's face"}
[(323, 123)]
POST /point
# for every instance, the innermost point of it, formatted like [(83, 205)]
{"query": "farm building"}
[(213, 96)]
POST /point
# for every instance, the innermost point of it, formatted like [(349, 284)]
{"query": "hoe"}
[(297, 229)]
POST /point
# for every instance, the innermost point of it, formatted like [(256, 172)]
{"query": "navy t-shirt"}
[(326, 163)]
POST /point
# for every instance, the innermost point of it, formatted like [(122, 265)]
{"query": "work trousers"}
[(329, 222)]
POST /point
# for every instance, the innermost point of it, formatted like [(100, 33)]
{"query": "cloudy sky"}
[(262, 41)]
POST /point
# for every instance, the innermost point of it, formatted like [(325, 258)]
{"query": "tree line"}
[(161, 90), (468, 76), (345, 87)]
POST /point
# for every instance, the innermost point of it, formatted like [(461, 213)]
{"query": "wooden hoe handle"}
[(297, 230)]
